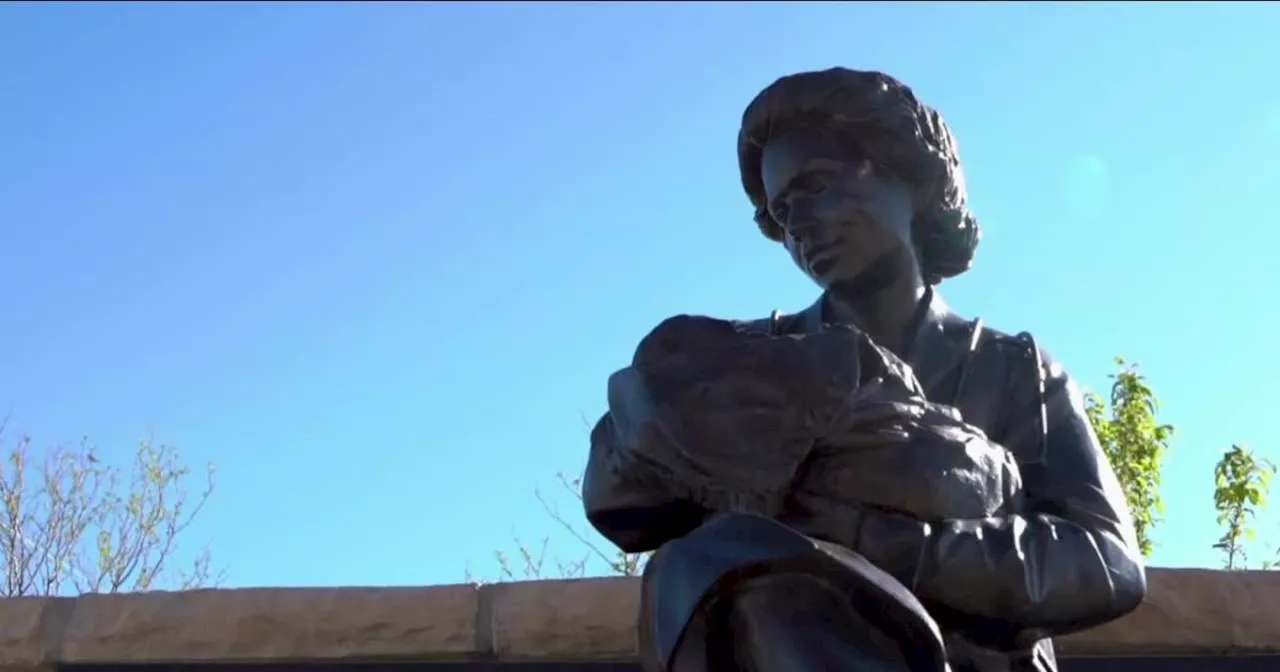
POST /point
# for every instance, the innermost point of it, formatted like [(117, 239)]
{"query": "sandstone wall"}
[(1187, 611)]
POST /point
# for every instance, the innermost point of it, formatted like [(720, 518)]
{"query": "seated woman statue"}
[(873, 484)]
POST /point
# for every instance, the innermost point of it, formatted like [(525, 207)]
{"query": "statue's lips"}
[(817, 252), (821, 244)]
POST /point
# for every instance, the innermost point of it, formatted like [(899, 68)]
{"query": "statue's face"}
[(844, 222)]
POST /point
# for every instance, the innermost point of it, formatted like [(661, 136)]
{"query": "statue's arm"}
[(1071, 561), (630, 492), (629, 502), (711, 415)]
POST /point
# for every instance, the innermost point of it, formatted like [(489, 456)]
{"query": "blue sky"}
[(376, 261)]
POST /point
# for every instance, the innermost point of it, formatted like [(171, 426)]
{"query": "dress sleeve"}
[(1068, 562)]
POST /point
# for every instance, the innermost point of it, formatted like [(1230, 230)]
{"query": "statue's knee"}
[(785, 597), (736, 545)]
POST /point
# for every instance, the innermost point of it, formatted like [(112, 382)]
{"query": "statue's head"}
[(854, 176)]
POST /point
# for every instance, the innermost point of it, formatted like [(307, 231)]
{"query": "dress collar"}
[(935, 347)]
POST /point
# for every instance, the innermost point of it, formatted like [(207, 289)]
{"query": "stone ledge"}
[(1187, 611)]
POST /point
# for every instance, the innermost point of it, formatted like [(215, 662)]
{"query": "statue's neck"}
[(885, 311)]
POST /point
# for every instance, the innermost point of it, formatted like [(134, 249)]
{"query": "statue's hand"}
[(885, 445), (915, 457)]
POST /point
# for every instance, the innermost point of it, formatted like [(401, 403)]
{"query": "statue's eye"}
[(811, 184), (780, 210)]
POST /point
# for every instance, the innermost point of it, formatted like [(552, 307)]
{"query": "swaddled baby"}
[(744, 421)]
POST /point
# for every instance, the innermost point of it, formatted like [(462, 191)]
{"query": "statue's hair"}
[(882, 117)]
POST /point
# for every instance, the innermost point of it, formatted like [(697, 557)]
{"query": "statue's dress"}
[(820, 505)]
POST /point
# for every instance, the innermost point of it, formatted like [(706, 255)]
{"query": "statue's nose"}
[(802, 224)]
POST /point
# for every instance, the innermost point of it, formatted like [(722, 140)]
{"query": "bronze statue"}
[(874, 483)]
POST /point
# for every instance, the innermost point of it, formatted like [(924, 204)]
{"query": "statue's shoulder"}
[(1023, 346), (1008, 344), (1029, 370), (975, 335)]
